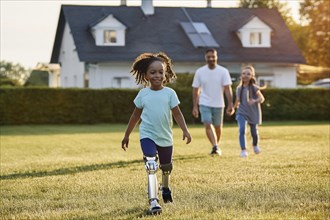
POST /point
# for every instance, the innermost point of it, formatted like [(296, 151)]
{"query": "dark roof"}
[(163, 32)]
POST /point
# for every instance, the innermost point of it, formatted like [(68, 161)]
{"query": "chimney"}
[(147, 7), (209, 3), (123, 3)]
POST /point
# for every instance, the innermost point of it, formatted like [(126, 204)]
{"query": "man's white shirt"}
[(211, 82)]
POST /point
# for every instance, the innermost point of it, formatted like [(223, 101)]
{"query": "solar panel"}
[(201, 27), (199, 34)]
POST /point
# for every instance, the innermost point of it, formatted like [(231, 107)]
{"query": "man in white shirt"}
[(210, 82)]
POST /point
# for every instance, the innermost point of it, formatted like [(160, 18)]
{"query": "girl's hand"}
[(230, 111), (124, 143), (187, 135), (253, 101)]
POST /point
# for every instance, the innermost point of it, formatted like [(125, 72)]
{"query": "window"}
[(265, 81), (255, 38), (121, 82), (110, 36)]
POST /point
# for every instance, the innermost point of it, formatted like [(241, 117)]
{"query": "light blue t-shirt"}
[(156, 114)]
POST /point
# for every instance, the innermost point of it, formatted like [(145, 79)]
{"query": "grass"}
[(80, 172)]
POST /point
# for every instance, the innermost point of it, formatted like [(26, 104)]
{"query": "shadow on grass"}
[(27, 130), (86, 168), (122, 213), (70, 170)]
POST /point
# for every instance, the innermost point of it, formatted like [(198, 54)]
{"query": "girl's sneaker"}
[(244, 153), (256, 149), (155, 208), (167, 195)]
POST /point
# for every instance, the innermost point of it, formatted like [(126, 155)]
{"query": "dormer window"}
[(110, 36), (255, 33), (256, 38), (108, 31)]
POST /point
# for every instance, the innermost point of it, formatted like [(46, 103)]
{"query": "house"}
[(96, 45)]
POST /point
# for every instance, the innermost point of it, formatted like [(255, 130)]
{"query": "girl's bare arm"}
[(178, 117), (260, 98), (135, 117)]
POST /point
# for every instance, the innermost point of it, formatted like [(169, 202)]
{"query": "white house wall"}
[(102, 75), (72, 70), (285, 77), (54, 78), (187, 67)]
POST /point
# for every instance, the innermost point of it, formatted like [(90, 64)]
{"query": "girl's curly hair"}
[(143, 61)]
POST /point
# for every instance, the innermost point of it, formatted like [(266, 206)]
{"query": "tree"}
[(15, 72), (313, 37), (282, 8), (299, 34), (317, 14)]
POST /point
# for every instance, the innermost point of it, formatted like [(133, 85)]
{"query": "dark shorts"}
[(150, 149)]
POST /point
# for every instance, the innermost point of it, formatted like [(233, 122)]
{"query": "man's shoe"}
[(155, 208), (167, 195), (216, 151)]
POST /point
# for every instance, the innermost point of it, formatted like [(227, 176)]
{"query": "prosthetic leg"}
[(151, 168), (166, 191)]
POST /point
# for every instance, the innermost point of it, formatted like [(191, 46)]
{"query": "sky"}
[(28, 27)]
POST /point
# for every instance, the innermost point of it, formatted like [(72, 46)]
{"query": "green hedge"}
[(61, 106), (87, 106)]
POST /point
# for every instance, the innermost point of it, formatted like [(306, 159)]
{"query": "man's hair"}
[(211, 50)]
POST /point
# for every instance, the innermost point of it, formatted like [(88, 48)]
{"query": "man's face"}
[(211, 58)]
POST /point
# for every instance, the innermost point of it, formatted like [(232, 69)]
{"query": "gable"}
[(108, 32), (255, 33), (256, 23), (107, 21)]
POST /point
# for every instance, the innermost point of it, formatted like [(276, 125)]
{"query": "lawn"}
[(81, 172)]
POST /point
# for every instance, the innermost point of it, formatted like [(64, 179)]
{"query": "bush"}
[(183, 80), (7, 82), (88, 106)]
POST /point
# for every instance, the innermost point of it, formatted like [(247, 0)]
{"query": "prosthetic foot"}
[(151, 168), (167, 195), (155, 208), (166, 191)]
